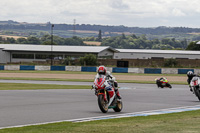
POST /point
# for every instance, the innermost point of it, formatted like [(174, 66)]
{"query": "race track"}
[(22, 107)]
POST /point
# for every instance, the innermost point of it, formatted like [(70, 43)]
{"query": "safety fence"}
[(94, 69)]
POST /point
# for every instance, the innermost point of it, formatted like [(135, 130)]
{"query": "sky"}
[(131, 13)]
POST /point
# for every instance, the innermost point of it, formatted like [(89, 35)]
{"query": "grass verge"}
[(184, 122), (26, 86), (93, 73), (85, 80)]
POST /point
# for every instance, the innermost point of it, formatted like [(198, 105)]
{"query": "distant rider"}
[(102, 71), (159, 81), (190, 75)]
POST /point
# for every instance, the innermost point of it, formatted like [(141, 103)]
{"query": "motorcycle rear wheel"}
[(118, 107), (102, 104)]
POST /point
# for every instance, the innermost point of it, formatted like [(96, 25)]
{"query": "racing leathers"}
[(190, 78)]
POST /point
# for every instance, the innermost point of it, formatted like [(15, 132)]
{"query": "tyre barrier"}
[(120, 70), (88, 69), (94, 69), (152, 70), (184, 71), (22, 67), (57, 68), (1, 67)]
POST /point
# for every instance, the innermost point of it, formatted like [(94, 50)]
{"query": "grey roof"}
[(47, 48), (158, 51)]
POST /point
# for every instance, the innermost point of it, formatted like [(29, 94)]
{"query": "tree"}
[(49, 43), (88, 60), (21, 41), (134, 36), (123, 36), (10, 40), (193, 46), (33, 40), (170, 62), (100, 36)]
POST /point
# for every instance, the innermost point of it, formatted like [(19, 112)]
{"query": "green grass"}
[(47, 79), (93, 73), (184, 122), (86, 80), (25, 86), (54, 72)]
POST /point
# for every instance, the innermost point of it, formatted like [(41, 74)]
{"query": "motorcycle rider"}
[(102, 71), (158, 81), (190, 75)]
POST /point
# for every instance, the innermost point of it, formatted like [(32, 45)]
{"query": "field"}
[(15, 37), (92, 43)]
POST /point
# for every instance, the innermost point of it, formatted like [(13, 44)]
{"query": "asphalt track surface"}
[(23, 107)]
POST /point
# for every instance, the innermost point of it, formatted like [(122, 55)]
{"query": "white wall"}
[(73, 68), (12, 67), (4, 56), (42, 68), (147, 55), (106, 53)]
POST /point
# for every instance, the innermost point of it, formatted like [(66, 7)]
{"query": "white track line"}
[(143, 113)]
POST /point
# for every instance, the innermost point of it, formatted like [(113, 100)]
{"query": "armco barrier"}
[(109, 69), (184, 71), (42, 68), (169, 71), (88, 69), (22, 67), (1, 67), (120, 70), (94, 69), (73, 68), (12, 67), (135, 70), (57, 68), (152, 70), (197, 71)]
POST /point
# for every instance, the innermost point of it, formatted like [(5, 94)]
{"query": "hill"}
[(92, 30)]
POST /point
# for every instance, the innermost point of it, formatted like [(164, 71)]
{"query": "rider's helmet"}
[(102, 70), (190, 73)]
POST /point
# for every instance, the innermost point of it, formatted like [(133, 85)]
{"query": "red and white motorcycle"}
[(195, 85), (107, 98)]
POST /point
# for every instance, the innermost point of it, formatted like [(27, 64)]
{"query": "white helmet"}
[(190, 73)]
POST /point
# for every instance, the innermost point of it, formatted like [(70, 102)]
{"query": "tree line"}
[(44, 40), (121, 42), (141, 42)]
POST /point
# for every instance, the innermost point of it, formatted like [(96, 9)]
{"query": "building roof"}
[(86, 49), (47, 48), (150, 51)]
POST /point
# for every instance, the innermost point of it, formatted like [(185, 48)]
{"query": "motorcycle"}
[(162, 82), (194, 84), (107, 98)]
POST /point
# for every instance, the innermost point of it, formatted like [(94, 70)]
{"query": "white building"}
[(29, 53), (151, 54)]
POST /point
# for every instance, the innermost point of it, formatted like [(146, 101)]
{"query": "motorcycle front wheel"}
[(197, 93), (170, 86), (102, 104)]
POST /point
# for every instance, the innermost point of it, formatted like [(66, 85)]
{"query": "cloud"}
[(177, 12), (105, 12), (118, 4)]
